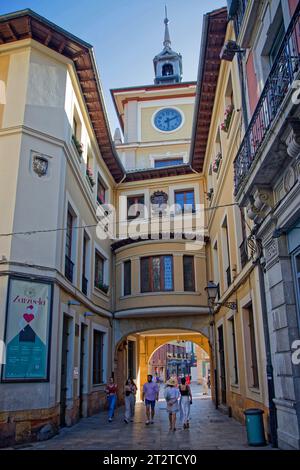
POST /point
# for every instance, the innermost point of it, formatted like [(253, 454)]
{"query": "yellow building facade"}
[(117, 300)]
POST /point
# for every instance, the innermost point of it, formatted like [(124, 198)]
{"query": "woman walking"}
[(185, 402), (130, 391), (172, 396), (111, 393)]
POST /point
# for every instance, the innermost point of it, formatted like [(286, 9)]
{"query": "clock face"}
[(167, 119)]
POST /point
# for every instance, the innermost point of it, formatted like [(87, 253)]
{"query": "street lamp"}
[(212, 291)]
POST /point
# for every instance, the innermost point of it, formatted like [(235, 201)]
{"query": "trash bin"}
[(255, 427)]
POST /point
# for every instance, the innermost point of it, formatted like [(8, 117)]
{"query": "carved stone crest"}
[(40, 165), (158, 200)]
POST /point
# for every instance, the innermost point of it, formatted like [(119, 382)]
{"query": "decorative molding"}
[(261, 201), (293, 139), (289, 179)]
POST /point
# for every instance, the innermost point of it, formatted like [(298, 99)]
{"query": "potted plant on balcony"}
[(103, 287), (216, 163), (90, 176), (227, 118), (78, 145)]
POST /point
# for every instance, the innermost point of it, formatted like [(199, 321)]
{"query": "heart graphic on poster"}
[(28, 317)]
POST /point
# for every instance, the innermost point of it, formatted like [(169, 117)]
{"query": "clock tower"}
[(156, 120)]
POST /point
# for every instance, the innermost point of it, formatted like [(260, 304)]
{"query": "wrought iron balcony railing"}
[(69, 267), (279, 82)]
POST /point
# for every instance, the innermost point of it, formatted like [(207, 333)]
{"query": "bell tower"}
[(168, 63)]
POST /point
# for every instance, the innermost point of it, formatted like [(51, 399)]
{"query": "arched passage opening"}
[(181, 358), (133, 352)]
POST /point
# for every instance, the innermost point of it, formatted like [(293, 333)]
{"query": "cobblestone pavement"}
[(209, 429)]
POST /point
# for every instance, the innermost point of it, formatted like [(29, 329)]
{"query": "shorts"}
[(150, 403)]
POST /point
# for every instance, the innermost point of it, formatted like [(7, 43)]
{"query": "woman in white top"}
[(172, 395)]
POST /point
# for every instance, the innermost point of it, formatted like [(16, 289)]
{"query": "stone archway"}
[(193, 328)]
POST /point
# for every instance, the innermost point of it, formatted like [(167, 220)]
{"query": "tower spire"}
[(168, 63), (167, 40)]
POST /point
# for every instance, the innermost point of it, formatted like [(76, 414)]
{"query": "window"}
[(100, 191), (243, 245), (157, 273), (186, 200), (75, 127), (98, 357), (69, 265), (84, 284), (226, 253), (99, 270), (168, 162), (276, 43), (229, 101), (234, 364), (216, 273), (134, 209), (167, 70), (189, 273), (250, 337), (127, 277)]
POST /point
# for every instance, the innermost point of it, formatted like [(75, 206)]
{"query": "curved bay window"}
[(157, 273)]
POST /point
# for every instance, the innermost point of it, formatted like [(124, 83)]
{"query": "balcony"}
[(278, 85), (69, 268), (84, 285)]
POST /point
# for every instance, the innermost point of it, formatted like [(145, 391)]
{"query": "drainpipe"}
[(269, 366)]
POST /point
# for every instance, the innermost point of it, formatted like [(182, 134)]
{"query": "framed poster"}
[(27, 332)]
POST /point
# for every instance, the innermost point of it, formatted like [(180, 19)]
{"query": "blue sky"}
[(127, 34)]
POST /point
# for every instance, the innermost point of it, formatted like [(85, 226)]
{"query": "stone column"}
[(283, 329)]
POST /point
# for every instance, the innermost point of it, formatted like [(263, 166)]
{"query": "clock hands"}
[(174, 117), (167, 120)]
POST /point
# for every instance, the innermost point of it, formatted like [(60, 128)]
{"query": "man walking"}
[(150, 396)]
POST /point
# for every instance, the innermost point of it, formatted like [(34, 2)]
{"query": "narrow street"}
[(209, 429)]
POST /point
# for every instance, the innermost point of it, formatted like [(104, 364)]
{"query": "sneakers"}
[(152, 422), (126, 420), (109, 420), (147, 422)]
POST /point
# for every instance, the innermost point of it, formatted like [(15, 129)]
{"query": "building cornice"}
[(26, 24)]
